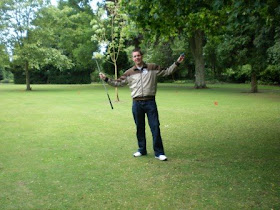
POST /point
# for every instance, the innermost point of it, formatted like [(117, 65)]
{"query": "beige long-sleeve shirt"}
[(142, 82)]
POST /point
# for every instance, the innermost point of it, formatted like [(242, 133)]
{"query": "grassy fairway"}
[(62, 147)]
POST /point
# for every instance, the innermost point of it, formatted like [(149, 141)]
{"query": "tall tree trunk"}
[(137, 41), (116, 77), (27, 76), (254, 83), (196, 43)]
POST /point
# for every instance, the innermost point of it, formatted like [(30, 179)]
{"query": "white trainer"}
[(137, 154), (161, 157)]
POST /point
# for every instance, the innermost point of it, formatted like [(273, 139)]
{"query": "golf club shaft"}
[(104, 85), (110, 101)]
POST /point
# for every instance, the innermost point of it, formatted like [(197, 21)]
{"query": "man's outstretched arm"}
[(170, 70), (120, 82)]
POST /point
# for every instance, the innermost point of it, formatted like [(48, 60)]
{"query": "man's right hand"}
[(102, 76), (181, 58)]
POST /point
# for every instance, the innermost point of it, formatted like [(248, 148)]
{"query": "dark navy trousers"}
[(139, 109)]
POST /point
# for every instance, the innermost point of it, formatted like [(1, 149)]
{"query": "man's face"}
[(137, 58)]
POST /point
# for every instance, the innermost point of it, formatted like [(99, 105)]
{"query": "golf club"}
[(94, 57)]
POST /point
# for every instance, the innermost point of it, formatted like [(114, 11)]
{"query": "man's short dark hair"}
[(137, 50)]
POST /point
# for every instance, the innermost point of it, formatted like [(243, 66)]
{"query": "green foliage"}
[(30, 49), (211, 56), (169, 18), (1, 74), (272, 72), (248, 35), (238, 74), (122, 63), (6, 75), (271, 75), (274, 51), (233, 34), (4, 63), (72, 33), (247, 39), (69, 77), (38, 56), (109, 31), (52, 75), (53, 47), (193, 19), (36, 77), (17, 17), (77, 5)]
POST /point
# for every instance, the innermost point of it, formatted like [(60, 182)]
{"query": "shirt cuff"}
[(177, 63)]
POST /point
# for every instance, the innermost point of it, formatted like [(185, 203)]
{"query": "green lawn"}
[(62, 147)]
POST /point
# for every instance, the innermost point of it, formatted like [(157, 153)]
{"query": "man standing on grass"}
[(142, 81)]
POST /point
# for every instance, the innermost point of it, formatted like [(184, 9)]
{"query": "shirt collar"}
[(136, 69)]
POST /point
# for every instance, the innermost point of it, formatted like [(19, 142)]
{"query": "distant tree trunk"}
[(137, 41), (27, 76), (196, 43), (254, 83), (116, 77)]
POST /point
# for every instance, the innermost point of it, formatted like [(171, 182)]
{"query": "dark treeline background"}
[(224, 41)]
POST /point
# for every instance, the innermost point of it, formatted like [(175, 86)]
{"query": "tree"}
[(109, 32), (250, 33), (72, 34), (192, 19), (4, 62), (272, 72), (77, 5), (17, 16), (28, 49)]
